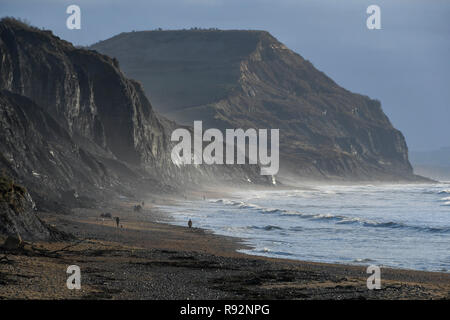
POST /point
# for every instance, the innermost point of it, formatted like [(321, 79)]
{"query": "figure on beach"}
[(190, 223), (117, 221)]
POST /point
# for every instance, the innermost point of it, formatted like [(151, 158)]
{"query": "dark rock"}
[(18, 219), (13, 243)]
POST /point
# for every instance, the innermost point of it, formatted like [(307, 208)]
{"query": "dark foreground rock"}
[(18, 219)]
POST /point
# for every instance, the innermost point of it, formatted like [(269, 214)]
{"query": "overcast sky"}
[(405, 65)]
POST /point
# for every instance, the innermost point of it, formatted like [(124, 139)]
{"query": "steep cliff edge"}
[(73, 127), (248, 79)]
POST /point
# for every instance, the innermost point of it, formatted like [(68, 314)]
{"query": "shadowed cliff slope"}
[(248, 79), (17, 216), (73, 126)]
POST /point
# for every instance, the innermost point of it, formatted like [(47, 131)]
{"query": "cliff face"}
[(17, 214), (84, 91), (73, 126), (40, 153), (248, 79)]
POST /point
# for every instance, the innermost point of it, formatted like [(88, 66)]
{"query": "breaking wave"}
[(267, 228), (337, 219)]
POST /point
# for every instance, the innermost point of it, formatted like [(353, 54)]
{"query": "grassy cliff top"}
[(183, 67)]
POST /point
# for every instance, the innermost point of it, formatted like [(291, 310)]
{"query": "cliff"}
[(248, 79), (74, 128), (17, 216)]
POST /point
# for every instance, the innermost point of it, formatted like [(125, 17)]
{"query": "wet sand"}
[(144, 259)]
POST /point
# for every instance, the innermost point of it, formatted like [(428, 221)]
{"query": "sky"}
[(405, 64)]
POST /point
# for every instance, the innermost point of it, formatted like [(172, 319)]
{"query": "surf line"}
[(257, 147)]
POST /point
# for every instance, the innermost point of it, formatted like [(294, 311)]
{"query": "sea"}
[(403, 226)]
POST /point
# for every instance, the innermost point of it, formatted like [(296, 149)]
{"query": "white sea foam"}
[(406, 226)]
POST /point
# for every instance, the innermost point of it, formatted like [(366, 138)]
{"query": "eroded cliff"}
[(248, 79), (74, 127)]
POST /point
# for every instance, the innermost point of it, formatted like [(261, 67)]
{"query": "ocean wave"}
[(240, 204), (235, 229), (267, 228), (224, 201), (447, 191), (338, 219), (391, 224), (267, 250), (446, 203), (363, 260), (271, 210)]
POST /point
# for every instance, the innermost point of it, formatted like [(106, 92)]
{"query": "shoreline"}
[(229, 196), (152, 260)]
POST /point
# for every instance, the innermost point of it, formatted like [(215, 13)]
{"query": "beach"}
[(145, 259)]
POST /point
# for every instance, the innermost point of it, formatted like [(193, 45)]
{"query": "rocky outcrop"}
[(83, 91), (74, 128), (248, 79), (17, 216)]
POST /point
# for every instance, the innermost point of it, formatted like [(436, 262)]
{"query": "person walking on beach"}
[(117, 221), (190, 223)]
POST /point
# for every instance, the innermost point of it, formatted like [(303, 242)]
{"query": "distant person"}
[(117, 221), (190, 223)]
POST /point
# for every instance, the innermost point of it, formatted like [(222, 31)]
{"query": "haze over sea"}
[(400, 226)]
